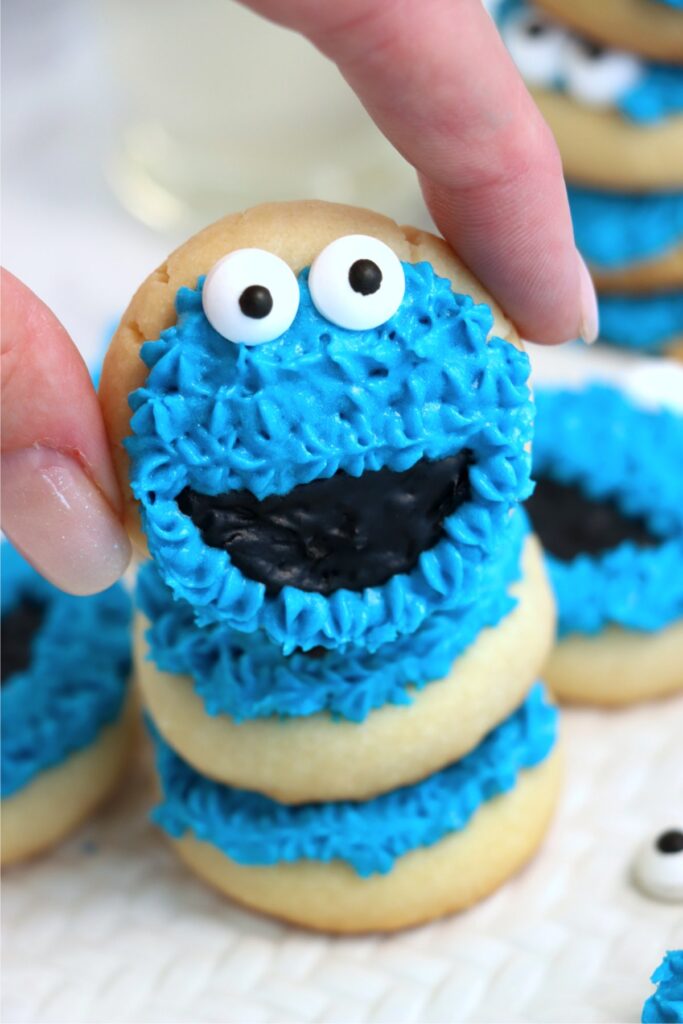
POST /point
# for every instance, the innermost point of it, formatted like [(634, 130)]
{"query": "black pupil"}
[(593, 50), (536, 28), (19, 627), (671, 841), (365, 277), (256, 301)]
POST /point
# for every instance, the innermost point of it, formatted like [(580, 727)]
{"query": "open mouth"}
[(19, 627), (344, 532), (569, 523)]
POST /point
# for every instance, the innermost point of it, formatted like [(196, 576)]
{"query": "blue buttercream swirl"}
[(244, 675), (644, 322), (219, 417), (655, 96), (76, 681), (614, 230), (665, 1006), (369, 835), (612, 449)]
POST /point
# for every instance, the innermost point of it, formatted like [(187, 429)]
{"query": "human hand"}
[(60, 499), (438, 81)]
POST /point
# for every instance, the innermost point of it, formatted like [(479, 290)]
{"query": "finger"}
[(60, 500), (438, 81)]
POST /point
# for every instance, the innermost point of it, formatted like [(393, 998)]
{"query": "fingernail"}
[(61, 522), (589, 325)]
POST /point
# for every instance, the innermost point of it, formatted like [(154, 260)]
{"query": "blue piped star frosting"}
[(648, 323), (76, 681), (370, 835), (245, 675), (219, 417), (665, 1006), (612, 449)]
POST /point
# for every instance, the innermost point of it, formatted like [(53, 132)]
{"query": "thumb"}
[(60, 499)]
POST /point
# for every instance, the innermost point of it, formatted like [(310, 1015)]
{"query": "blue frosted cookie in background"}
[(632, 242), (322, 423), (651, 323), (665, 1006), (617, 117), (66, 729), (608, 508)]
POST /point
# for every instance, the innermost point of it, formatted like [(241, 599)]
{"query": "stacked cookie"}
[(608, 78), (344, 613)]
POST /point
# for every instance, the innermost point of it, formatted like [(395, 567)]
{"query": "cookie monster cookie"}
[(66, 728), (409, 855), (632, 242), (665, 1006), (652, 28), (608, 508), (618, 120), (329, 447)]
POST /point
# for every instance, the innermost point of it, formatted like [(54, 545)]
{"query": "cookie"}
[(608, 508), (321, 757), (653, 28), (632, 242), (66, 729), (325, 423), (618, 121), (650, 323), (666, 1004), (397, 860)]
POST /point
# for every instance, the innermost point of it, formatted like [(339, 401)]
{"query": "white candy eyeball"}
[(537, 46), (658, 867), (357, 282), (599, 77), (250, 296)]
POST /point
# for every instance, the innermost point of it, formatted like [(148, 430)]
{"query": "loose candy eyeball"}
[(658, 868), (357, 282), (250, 296)]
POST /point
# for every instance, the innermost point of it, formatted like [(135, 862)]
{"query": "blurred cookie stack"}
[(608, 78)]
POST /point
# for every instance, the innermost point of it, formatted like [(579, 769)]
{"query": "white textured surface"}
[(111, 928)]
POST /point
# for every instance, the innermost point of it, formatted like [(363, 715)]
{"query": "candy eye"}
[(658, 868), (537, 47), (250, 296), (597, 76), (357, 282)]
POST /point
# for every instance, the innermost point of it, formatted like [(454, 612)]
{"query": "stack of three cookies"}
[(608, 78), (344, 614)]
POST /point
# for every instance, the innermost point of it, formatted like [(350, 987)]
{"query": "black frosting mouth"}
[(569, 523), (340, 533), (19, 626)]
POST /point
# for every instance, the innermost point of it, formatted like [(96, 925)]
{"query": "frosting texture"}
[(371, 835), (77, 678), (244, 675), (616, 229), (666, 1005), (217, 417), (644, 322), (597, 439)]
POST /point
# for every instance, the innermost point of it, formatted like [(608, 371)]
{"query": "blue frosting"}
[(76, 682), (597, 439), (657, 94), (217, 417), (666, 1005), (370, 835), (614, 230), (672, 3), (245, 675), (644, 322)]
